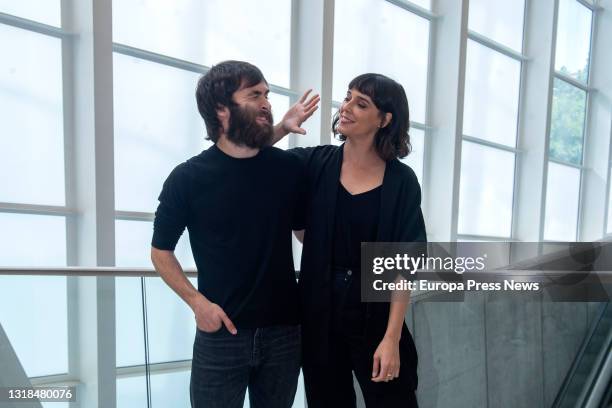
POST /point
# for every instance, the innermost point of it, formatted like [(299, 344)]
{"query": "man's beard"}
[(244, 129)]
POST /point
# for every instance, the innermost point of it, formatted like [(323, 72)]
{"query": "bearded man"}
[(240, 199)]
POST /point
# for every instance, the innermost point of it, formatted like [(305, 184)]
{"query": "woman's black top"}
[(356, 222)]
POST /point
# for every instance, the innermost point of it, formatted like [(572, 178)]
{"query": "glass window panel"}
[(486, 191), (31, 118), (41, 345), (133, 248), (132, 392), (567, 122), (211, 31), (492, 86), (157, 127), (171, 323), (562, 192), (501, 21), (38, 333), (300, 394), (390, 41), (19, 233), (280, 105), (170, 389), (43, 11), (133, 245), (128, 323), (573, 39), (415, 158)]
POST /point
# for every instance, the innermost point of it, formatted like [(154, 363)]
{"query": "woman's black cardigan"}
[(400, 220)]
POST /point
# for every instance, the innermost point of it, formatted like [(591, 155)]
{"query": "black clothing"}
[(331, 384), (400, 220), (239, 214), (356, 222)]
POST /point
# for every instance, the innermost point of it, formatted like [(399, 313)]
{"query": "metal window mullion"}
[(413, 8), (134, 216), (93, 174), (68, 79), (34, 26), (327, 67), (571, 81), (420, 126), (590, 5), (293, 60), (486, 237), (159, 58), (488, 143), (579, 216), (464, 35), (568, 164), (585, 127), (426, 155), (516, 192), (446, 82), (547, 158), (494, 45), (54, 380), (605, 231), (154, 368), (36, 209), (80, 271)]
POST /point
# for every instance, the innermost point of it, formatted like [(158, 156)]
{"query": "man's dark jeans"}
[(267, 360)]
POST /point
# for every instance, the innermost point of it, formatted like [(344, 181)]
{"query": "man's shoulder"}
[(184, 172)]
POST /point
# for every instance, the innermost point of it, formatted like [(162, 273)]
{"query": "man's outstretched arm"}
[(209, 316)]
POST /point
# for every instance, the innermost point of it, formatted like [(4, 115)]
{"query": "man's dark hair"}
[(392, 141), (216, 87)]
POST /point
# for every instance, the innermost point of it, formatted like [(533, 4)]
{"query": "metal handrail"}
[(111, 271)]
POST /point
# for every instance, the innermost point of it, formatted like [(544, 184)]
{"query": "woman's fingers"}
[(388, 372), (384, 372), (376, 367)]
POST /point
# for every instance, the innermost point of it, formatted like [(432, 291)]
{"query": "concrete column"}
[(598, 130), (88, 60), (312, 63), (447, 82), (534, 120)]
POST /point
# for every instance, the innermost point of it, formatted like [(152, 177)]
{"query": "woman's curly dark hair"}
[(393, 140)]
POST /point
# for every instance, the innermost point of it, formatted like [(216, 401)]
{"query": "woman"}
[(359, 192)]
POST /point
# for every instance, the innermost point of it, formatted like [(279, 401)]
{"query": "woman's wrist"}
[(393, 336)]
